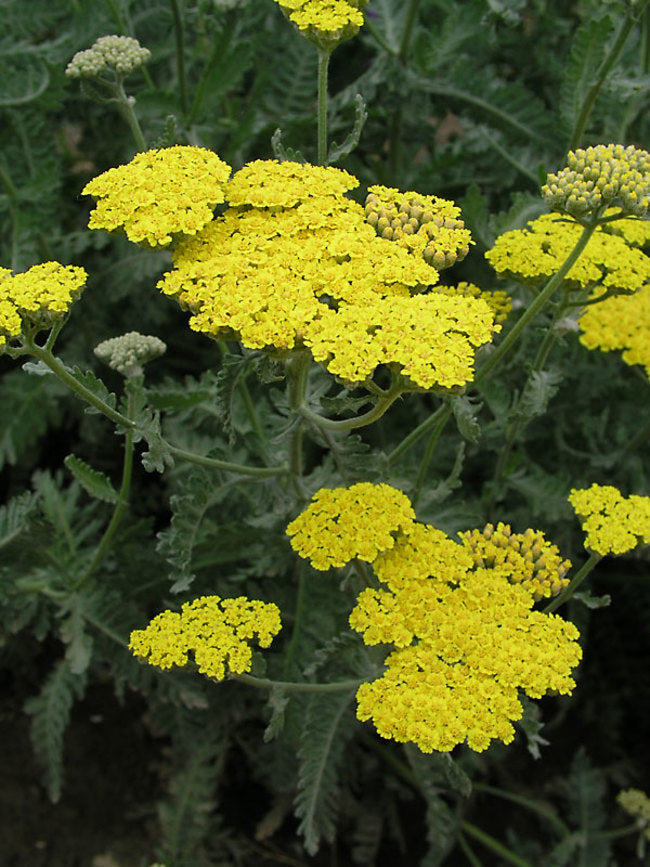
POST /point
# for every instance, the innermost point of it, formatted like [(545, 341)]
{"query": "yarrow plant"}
[(371, 517)]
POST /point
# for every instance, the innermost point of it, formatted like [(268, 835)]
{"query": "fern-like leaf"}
[(16, 516), (92, 481), (50, 711), (322, 743), (29, 408)]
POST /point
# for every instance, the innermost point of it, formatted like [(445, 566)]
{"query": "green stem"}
[(179, 36), (297, 368), (324, 55), (494, 845), (411, 17), (469, 854), (526, 803), (125, 105), (59, 370), (602, 73), (297, 622), (575, 582), (123, 494), (444, 411), (539, 302), (293, 686), (644, 57), (379, 39), (346, 424), (85, 394), (226, 466), (426, 457), (252, 414)]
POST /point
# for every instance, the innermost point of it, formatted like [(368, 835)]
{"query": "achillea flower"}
[(37, 297), (613, 524), (427, 225), (601, 177), (118, 54), (214, 630), (524, 558), (270, 183), (534, 254), (637, 804), (160, 193), (498, 300), (620, 323), (431, 339), (325, 22), (344, 523), (129, 352), (467, 641)]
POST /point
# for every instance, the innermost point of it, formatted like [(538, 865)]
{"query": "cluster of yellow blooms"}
[(637, 804), (620, 323), (498, 300), (37, 297), (215, 630), (293, 262), (325, 22), (613, 523), (601, 177), (529, 558), (465, 637), (534, 254), (428, 226), (344, 523), (160, 193)]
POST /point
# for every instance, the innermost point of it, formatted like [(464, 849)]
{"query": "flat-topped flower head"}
[(343, 523), (272, 184), (613, 524), (326, 23), (37, 298), (129, 352), (215, 631), (466, 643), (601, 177), (620, 323), (427, 225), (431, 339), (525, 558), (118, 54), (535, 253), (160, 194)]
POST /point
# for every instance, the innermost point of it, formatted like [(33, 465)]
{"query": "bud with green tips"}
[(130, 352)]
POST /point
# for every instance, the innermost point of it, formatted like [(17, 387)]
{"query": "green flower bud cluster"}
[(128, 353), (637, 804), (119, 53), (529, 558), (425, 224), (601, 177)]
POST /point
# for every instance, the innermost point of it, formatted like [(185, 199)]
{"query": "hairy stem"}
[(575, 582), (293, 686), (444, 411), (179, 37), (324, 55)]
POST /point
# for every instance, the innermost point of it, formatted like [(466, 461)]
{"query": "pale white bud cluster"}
[(122, 54), (128, 353)]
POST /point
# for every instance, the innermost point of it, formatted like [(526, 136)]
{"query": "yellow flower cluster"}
[(465, 637), (37, 297), (160, 193), (325, 22), (498, 300), (600, 177), (343, 523), (534, 254), (613, 523), (637, 804), (293, 263), (527, 558), (214, 630), (428, 226), (620, 323)]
